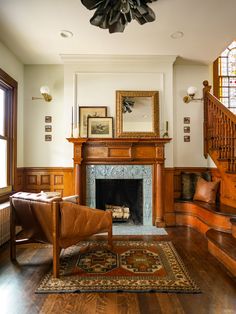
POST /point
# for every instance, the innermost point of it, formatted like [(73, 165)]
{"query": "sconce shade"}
[(191, 90), (44, 90)]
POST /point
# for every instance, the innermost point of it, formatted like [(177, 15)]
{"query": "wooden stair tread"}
[(224, 241)]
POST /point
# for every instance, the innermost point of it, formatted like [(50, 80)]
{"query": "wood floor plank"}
[(18, 282)]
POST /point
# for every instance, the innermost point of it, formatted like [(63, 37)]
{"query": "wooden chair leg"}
[(110, 239), (56, 247), (12, 232)]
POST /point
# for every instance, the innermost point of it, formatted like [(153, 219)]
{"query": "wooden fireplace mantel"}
[(121, 151)]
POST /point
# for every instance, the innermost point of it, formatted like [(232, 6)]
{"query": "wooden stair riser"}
[(222, 257)]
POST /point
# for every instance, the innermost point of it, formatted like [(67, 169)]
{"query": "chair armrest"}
[(72, 199)]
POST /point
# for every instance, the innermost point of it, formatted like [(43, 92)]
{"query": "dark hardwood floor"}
[(19, 281)]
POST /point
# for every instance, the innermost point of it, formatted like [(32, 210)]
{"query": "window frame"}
[(217, 76), (10, 86)]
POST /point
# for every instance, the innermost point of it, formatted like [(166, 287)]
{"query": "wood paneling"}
[(233, 222), (62, 180), (36, 179), (45, 179), (19, 182), (169, 197)]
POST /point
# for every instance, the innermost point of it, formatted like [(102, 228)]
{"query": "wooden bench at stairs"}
[(217, 222), (203, 216)]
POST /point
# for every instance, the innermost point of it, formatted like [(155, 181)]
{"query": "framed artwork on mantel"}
[(100, 127), (89, 112)]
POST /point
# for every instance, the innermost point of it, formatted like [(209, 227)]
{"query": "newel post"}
[(205, 91)]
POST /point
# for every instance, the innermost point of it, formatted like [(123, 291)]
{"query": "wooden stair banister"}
[(220, 143), (219, 130)]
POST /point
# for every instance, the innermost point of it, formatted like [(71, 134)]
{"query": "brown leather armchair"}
[(49, 219)]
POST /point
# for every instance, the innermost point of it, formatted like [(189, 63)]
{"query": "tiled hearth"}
[(143, 172)]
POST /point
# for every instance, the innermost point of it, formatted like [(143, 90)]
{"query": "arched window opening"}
[(225, 77)]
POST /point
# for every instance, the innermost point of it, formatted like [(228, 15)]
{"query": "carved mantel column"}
[(78, 158), (158, 199)]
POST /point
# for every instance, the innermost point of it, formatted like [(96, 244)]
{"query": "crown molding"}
[(116, 59)]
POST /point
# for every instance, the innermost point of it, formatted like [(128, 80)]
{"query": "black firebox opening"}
[(121, 192)]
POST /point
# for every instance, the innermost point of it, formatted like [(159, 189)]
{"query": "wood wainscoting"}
[(36, 179)]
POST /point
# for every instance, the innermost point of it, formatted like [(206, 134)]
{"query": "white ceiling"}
[(30, 28)]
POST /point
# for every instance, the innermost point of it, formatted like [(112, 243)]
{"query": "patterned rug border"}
[(61, 288)]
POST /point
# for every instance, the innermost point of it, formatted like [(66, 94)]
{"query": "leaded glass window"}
[(227, 77)]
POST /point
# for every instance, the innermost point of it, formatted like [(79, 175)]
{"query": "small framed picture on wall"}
[(48, 128), (186, 129), (186, 120), (186, 138), (48, 138), (48, 119)]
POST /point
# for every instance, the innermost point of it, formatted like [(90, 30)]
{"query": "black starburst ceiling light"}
[(114, 15)]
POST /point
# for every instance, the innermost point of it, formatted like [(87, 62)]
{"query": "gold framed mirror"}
[(137, 114)]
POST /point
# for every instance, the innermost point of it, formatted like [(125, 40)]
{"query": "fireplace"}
[(123, 196), (138, 177), (122, 158)]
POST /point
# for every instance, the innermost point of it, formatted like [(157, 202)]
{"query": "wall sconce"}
[(191, 91), (44, 90)]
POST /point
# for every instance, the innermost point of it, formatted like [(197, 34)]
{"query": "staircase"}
[(220, 143)]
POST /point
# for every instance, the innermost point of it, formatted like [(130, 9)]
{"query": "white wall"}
[(97, 81), (189, 154), (142, 73), (37, 152), (12, 66)]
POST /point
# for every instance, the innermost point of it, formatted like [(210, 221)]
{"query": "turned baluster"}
[(227, 138), (223, 135), (220, 134), (217, 129), (214, 128), (234, 148), (211, 124)]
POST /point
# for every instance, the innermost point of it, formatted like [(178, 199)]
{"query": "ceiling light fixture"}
[(114, 15), (177, 35), (66, 34), (44, 90)]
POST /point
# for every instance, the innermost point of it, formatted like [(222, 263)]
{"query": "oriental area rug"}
[(130, 266)]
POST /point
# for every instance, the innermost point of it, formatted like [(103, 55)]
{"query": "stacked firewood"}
[(119, 212)]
